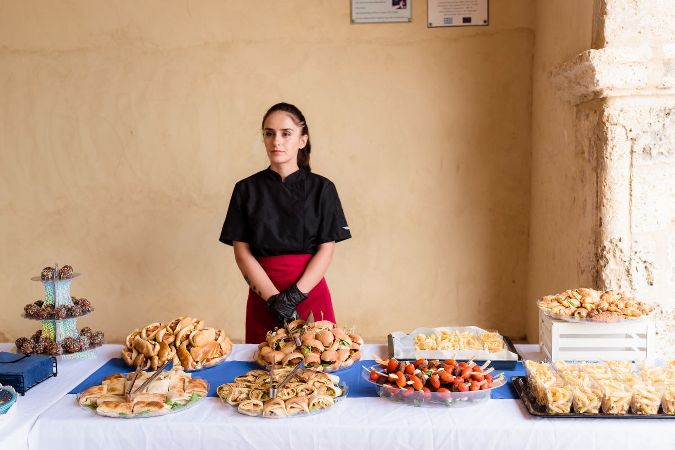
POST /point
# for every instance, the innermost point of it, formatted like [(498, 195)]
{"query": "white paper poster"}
[(373, 11), (457, 13)]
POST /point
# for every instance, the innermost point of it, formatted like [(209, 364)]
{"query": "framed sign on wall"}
[(457, 13), (381, 11)]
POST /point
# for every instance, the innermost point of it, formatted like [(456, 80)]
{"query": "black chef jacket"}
[(284, 218)]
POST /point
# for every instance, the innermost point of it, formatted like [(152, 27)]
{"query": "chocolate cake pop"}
[(84, 304), (84, 341), (31, 310), (65, 272), (97, 338), (71, 345), (52, 348), (47, 274), (61, 312), (86, 331), (36, 336)]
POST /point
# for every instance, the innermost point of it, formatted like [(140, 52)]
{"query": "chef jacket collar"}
[(296, 176)]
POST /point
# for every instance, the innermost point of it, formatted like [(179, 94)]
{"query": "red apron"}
[(285, 271)]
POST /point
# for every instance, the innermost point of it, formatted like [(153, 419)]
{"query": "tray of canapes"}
[(169, 392), (590, 305), (459, 343), (609, 389), (307, 392), (433, 383), (185, 341), (321, 346)]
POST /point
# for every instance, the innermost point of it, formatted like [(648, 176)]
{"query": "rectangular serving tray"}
[(523, 390), (496, 363)]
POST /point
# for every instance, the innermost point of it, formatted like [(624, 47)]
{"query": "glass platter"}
[(421, 398), (172, 408)]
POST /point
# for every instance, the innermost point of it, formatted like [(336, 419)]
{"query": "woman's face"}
[(282, 138)]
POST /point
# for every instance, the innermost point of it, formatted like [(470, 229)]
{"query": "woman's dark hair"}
[(299, 119)]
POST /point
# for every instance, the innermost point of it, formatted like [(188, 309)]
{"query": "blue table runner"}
[(225, 373)]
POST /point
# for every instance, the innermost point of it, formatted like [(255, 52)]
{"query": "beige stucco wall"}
[(563, 209), (124, 125)]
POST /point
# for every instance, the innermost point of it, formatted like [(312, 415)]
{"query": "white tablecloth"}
[(354, 423), (15, 428)]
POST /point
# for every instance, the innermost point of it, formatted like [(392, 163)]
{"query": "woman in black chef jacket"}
[(283, 223)]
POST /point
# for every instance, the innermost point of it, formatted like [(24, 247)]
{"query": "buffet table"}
[(47, 417)]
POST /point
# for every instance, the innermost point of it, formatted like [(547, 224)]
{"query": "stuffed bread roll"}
[(115, 409), (224, 391), (292, 359), (159, 386), (110, 398), (145, 397), (297, 405), (274, 407), (114, 386), (259, 394), (91, 395), (319, 401), (238, 395), (197, 386), (305, 390), (251, 407), (155, 408)]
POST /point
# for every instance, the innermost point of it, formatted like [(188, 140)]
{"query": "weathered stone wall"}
[(644, 127), (624, 94)]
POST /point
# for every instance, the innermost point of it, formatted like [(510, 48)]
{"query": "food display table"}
[(15, 427), (49, 418)]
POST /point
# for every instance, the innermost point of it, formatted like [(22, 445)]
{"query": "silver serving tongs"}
[(273, 390), (288, 377), (279, 386), (149, 380), (134, 377)]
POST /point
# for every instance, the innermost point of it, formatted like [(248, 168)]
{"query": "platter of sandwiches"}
[(320, 345), (306, 392), (185, 341), (171, 391)]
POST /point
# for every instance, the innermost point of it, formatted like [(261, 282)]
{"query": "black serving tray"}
[(523, 390), (496, 363)]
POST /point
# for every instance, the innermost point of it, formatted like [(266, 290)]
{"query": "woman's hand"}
[(282, 305)]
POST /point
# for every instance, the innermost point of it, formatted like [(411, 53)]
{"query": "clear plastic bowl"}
[(432, 399)]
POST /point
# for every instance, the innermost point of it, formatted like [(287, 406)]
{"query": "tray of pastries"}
[(307, 392), (172, 391), (323, 346), (590, 305), (462, 343), (607, 389), (188, 342)]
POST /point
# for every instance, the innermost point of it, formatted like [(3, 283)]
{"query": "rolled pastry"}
[(274, 407), (251, 407), (297, 405), (319, 401)]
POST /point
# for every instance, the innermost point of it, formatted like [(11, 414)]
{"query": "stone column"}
[(624, 93)]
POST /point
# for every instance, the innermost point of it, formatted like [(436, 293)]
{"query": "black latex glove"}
[(282, 305)]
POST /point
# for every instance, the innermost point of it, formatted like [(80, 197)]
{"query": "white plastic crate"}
[(591, 341)]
